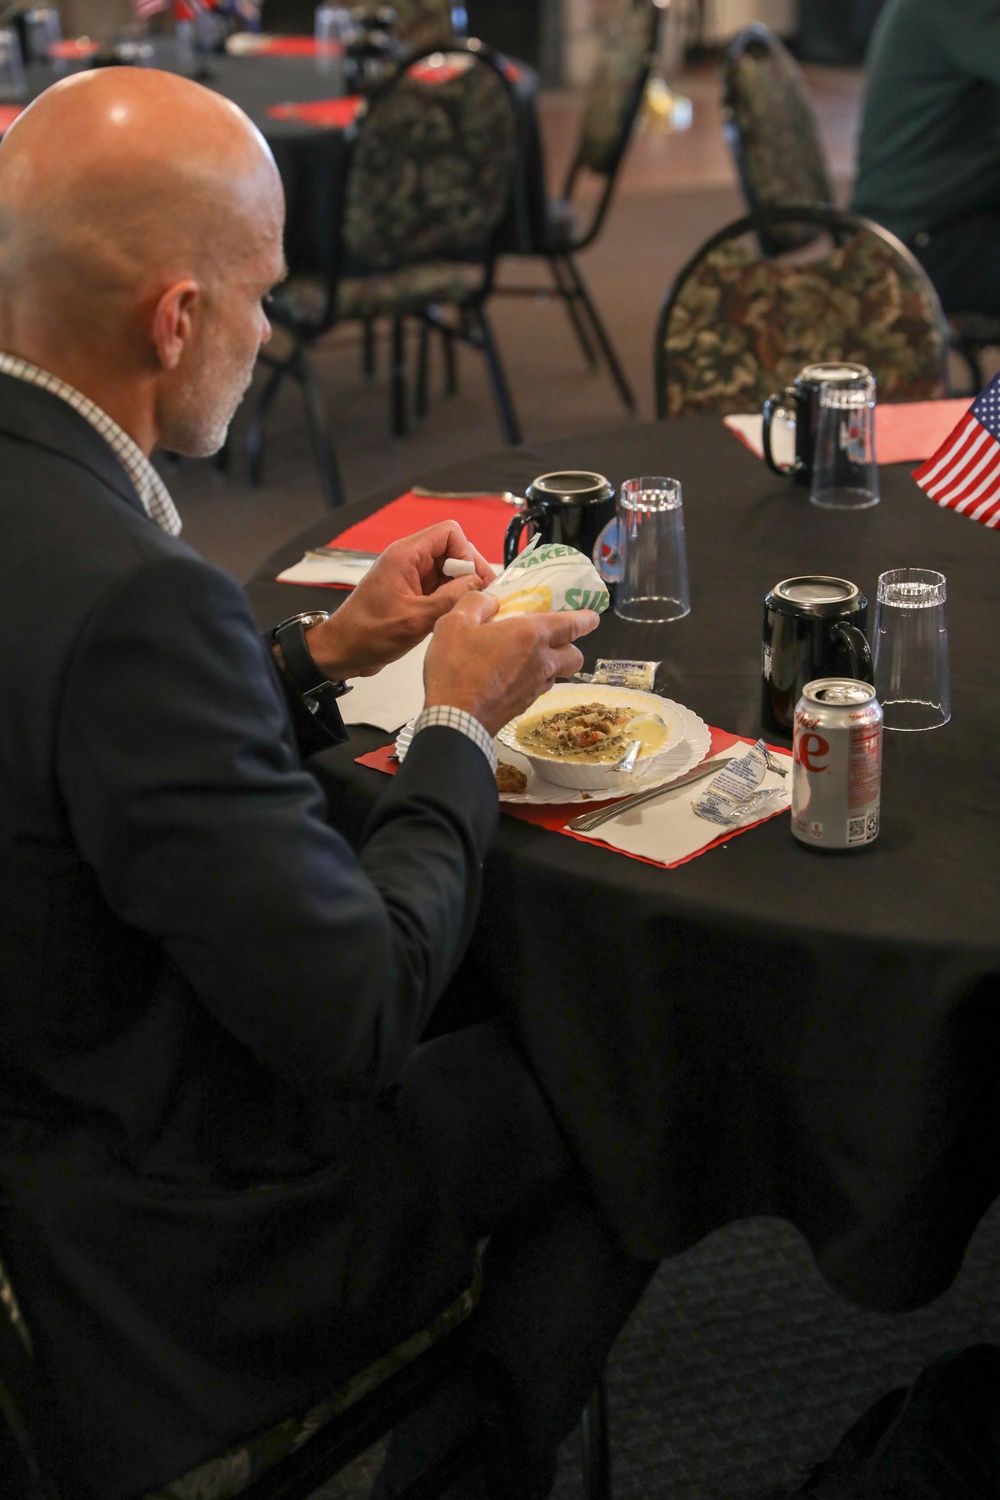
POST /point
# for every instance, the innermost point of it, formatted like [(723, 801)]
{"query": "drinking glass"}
[(41, 29), (654, 576), (845, 471), (13, 84), (330, 28), (910, 648)]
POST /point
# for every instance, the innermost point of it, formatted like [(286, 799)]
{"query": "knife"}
[(589, 821), (329, 553)]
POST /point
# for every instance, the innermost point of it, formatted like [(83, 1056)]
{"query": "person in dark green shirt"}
[(929, 165)]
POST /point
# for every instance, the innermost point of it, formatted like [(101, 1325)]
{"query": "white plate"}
[(683, 754)]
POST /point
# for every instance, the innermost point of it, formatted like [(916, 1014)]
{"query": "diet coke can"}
[(837, 764)]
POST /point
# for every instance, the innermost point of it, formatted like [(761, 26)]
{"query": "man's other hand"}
[(495, 669), (397, 603)]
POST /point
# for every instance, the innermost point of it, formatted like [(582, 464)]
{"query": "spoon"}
[(627, 763)]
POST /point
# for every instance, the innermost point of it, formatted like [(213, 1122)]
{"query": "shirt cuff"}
[(467, 724)]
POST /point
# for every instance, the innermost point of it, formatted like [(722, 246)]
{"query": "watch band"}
[(302, 672)]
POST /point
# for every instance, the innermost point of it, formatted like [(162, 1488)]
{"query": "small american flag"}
[(964, 474)]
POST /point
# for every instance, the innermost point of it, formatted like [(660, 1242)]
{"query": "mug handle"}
[(515, 526), (785, 402), (858, 651)]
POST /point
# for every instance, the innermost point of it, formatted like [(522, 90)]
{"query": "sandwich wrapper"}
[(549, 578)]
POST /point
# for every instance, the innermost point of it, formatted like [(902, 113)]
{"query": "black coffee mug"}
[(571, 507), (802, 398), (813, 627)]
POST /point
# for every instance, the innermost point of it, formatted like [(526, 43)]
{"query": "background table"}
[(312, 159), (768, 1029)]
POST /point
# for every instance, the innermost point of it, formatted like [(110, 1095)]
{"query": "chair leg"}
[(450, 362), (326, 459), (600, 333), (569, 298), (505, 405), (368, 349), (255, 427), (420, 389), (399, 426), (595, 1445)]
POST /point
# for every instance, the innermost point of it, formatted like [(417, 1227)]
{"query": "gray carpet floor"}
[(740, 1368)]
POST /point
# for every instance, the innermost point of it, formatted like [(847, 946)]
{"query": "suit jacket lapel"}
[(33, 415)]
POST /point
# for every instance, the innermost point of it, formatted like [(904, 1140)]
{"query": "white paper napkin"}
[(668, 829), (749, 426), (326, 570), (391, 697)]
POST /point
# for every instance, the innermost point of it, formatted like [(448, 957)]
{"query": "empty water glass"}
[(13, 84), (910, 649), (654, 577), (845, 470), (331, 26)]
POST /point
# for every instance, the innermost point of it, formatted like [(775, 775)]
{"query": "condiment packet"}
[(549, 577), (632, 674), (734, 797)]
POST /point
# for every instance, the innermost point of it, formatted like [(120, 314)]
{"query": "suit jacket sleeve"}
[(185, 793)]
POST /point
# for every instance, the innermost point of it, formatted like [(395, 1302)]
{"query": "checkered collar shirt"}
[(152, 492)]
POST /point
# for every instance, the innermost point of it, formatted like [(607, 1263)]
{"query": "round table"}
[(767, 1029), (312, 159)]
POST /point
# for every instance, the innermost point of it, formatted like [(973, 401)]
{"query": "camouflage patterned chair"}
[(772, 132), (428, 183), (613, 98), (736, 326), (774, 138), (424, 23)]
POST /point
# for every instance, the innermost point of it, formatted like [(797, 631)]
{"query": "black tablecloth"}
[(312, 160), (768, 1029)]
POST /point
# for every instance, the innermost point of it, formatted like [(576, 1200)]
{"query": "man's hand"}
[(496, 670), (397, 603)]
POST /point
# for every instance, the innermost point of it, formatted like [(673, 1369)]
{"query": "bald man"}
[(214, 1208)]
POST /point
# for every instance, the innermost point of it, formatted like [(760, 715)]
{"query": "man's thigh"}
[(963, 261), (476, 1104)]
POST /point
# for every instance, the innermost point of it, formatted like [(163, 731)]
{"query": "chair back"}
[(772, 132), (432, 167), (614, 95), (424, 23), (736, 326)]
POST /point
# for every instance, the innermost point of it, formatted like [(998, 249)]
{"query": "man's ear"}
[(173, 322)]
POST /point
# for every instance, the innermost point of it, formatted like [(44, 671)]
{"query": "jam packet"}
[(734, 797), (549, 577)]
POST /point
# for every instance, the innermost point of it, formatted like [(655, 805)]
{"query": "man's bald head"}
[(116, 185)]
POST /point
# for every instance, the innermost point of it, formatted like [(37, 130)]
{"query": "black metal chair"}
[(737, 325), (293, 1460), (614, 96), (775, 142), (428, 183)]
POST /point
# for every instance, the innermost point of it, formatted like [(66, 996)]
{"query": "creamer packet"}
[(549, 577)]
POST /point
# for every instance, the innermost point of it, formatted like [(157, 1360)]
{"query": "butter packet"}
[(546, 578), (735, 795), (631, 674)]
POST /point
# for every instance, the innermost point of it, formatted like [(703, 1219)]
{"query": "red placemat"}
[(293, 46), (336, 113), (484, 522), (905, 431), (8, 114), (427, 72), (555, 816), (72, 48)]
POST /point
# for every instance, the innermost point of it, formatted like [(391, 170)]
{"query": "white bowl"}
[(590, 776)]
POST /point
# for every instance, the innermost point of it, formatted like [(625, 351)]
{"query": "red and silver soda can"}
[(837, 764)]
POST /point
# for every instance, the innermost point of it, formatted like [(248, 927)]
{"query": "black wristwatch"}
[(315, 690)]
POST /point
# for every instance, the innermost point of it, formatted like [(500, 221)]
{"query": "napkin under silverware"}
[(589, 821)]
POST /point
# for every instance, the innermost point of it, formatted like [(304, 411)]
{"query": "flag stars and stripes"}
[(964, 473)]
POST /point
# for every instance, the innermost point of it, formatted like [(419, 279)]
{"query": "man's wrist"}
[(446, 716)]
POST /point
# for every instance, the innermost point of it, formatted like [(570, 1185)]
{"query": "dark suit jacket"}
[(209, 1216)]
